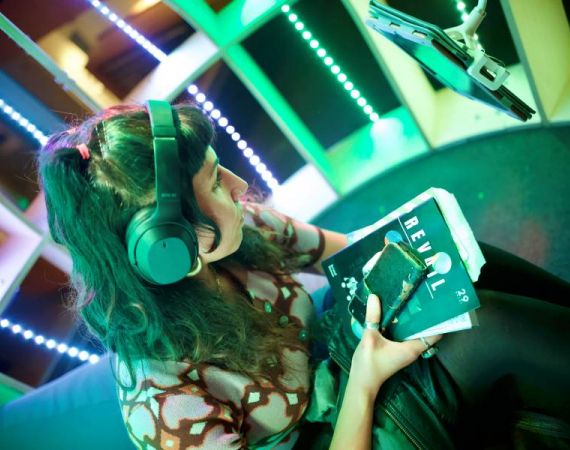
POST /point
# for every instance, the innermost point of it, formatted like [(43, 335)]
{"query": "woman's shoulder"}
[(264, 216), (282, 226), (182, 402), (179, 378), (143, 372)]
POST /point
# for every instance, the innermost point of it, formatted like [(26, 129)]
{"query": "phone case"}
[(394, 278)]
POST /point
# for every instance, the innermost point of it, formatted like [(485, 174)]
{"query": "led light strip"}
[(51, 344), (328, 61), (462, 8), (23, 122), (128, 30), (193, 90), (241, 144)]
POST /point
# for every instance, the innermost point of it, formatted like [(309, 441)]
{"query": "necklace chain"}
[(218, 284), (302, 334), (244, 292)]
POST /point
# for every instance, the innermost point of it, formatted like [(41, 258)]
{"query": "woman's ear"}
[(205, 241)]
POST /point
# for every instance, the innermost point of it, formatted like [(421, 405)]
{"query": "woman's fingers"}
[(373, 310), (376, 358), (418, 346)]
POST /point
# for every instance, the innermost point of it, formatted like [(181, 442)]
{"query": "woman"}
[(221, 358)]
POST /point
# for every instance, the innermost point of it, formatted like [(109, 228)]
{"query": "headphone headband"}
[(166, 160)]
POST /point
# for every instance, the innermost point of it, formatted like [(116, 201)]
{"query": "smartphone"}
[(394, 277)]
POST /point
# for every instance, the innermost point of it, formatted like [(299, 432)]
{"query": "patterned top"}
[(179, 405)]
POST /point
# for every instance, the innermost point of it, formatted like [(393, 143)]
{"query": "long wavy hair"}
[(89, 204)]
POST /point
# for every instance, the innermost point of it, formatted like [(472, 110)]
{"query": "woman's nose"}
[(240, 187)]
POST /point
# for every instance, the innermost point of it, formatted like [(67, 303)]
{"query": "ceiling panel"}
[(307, 84)]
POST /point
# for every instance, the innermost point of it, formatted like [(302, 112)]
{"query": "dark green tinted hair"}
[(90, 202)]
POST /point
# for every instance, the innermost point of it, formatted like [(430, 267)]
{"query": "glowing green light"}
[(285, 8), (355, 93), (368, 109), (341, 77), (348, 85), (314, 43), (328, 61), (293, 17), (361, 101), (299, 26), (461, 6), (374, 117), (464, 16), (335, 69), (307, 35), (321, 52)]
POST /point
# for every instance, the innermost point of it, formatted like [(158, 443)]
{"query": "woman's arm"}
[(354, 426), (301, 239), (374, 361), (334, 242)]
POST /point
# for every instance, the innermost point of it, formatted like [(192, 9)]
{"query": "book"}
[(433, 225)]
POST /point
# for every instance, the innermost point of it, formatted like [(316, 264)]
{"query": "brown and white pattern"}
[(179, 405)]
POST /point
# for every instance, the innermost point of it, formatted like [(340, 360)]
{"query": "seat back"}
[(78, 410)]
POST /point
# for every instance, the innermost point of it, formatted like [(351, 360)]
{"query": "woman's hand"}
[(376, 358), (374, 361)]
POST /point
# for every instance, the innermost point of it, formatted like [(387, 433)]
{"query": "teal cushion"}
[(79, 410)]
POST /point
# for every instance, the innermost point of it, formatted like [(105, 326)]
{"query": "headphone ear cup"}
[(133, 232), (162, 253)]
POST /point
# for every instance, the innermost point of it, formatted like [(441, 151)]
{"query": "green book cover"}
[(447, 291)]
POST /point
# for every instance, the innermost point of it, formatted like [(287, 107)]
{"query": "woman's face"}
[(218, 191)]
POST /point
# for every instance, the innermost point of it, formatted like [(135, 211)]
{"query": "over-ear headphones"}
[(161, 243)]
